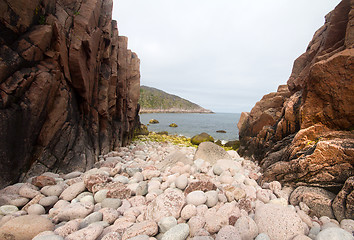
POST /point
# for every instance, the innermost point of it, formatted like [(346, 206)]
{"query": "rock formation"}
[(303, 134), (69, 87)]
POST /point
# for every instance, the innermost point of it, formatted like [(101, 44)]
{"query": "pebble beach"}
[(158, 190)]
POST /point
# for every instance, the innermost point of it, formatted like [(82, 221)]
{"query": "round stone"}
[(181, 182), (246, 227), (188, 211), (87, 199), (48, 236), (347, 224), (275, 186), (229, 233), (334, 233), (74, 211), (61, 203), (91, 232), (48, 201), (121, 178), (217, 170), (212, 198), (301, 237), (142, 189), (36, 209), (239, 193), (53, 190), (196, 198), (72, 191), (149, 228), (166, 223), (109, 215), (91, 218), (72, 175), (28, 191), (111, 203), (8, 209), (239, 177), (100, 195), (262, 236), (140, 237), (178, 232)]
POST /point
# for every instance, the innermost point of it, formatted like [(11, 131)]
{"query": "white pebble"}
[(8, 209), (196, 198), (166, 223), (181, 182), (100, 195), (36, 209)]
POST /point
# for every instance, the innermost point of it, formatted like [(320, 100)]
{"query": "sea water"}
[(190, 124)]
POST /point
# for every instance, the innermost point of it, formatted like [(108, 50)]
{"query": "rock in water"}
[(153, 121), (203, 137), (77, 90), (25, 227)]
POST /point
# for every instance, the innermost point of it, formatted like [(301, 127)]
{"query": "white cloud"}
[(224, 55)]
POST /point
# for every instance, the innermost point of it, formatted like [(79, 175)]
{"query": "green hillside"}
[(155, 100)]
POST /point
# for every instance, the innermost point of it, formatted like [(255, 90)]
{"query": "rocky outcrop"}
[(69, 87), (303, 134)]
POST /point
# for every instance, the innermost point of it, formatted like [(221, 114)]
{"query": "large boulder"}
[(303, 134), (173, 158), (278, 222), (69, 86), (343, 204), (317, 199), (25, 227), (211, 152)]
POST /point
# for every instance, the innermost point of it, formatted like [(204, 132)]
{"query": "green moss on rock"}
[(142, 130), (153, 121), (162, 133), (203, 137), (233, 144), (173, 125)]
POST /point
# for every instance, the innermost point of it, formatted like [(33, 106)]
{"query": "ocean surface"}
[(190, 124)]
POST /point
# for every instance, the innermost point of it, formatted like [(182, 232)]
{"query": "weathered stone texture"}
[(69, 86), (303, 134)]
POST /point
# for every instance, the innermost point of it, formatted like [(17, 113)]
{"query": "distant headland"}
[(153, 100)]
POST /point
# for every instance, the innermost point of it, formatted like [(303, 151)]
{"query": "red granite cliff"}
[(304, 133), (69, 87)]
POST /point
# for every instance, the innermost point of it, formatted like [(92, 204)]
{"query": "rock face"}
[(69, 86), (303, 134)]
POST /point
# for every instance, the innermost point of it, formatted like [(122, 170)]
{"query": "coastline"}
[(142, 111)]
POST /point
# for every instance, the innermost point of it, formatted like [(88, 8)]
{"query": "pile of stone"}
[(153, 190)]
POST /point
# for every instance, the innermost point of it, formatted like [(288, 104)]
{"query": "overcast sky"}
[(221, 54)]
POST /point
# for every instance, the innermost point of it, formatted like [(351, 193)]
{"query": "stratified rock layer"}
[(303, 134), (69, 87)]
